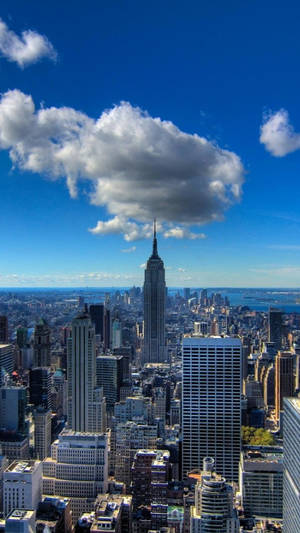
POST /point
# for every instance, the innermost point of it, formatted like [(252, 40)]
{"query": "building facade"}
[(261, 481), (42, 353), (77, 469), (211, 403), (86, 405), (291, 464), (213, 511), (284, 379), (22, 486)]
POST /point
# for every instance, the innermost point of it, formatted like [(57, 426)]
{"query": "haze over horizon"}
[(117, 113)]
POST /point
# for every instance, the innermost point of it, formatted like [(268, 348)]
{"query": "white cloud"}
[(182, 233), (181, 269), (76, 279), (140, 167), (24, 50), (119, 224), (129, 250), (278, 135), (143, 265)]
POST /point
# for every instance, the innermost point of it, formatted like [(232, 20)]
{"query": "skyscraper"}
[(84, 400), (97, 317), (284, 379), (275, 328), (109, 376), (42, 433), (40, 387), (211, 403), (291, 465), (154, 308), (3, 329), (13, 403), (7, 357), (42, 356)]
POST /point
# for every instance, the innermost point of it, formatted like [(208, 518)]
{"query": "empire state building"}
[(154, 308)]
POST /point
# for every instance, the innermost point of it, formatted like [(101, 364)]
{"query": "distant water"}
[(256, 299)]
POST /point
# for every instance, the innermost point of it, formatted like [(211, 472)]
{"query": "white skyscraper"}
[(211, 403), (85, 403), (291, 465)]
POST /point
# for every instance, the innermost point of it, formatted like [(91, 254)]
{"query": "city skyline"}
[(171, 120)]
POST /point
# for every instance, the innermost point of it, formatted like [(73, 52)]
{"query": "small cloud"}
[(179, 232), (278, 135), (120, 225), (143, 265), (181, 269), (129, 250), (24, 50)]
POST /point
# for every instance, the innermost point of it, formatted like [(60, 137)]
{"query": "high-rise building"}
[(42, 433), (269, 387), (291, 465), (284, 379), (150, 475), (211, 403), (77, 469), (3, 330), (22, 336), (22, 486), (261, 480), (186, 293), (42, 354), (116, 334), (107, 329), (86, 405), (131, 437), (40, 387), (97, 317), (213, 510), (109, 376), (275, 328), (154, 308), (13, 402), (7, 357)]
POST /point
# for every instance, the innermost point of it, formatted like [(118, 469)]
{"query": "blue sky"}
[(220, 70)]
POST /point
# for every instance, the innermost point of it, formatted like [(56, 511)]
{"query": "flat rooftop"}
[(21, 514), (20, 467)]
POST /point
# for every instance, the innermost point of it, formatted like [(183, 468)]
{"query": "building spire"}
[(154, 252)]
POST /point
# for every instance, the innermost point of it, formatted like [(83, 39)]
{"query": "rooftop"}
[(19, 467), (21, 514)]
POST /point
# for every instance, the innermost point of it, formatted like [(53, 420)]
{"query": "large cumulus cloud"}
[(24, 50), (139, 167)]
